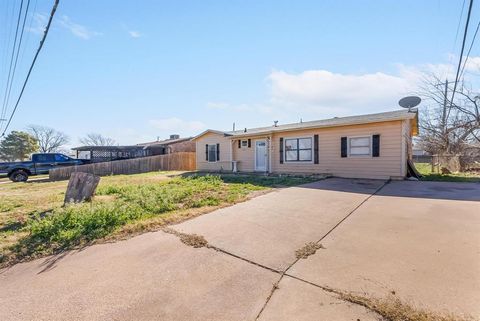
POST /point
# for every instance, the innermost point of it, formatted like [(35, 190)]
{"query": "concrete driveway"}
[(418, 239)]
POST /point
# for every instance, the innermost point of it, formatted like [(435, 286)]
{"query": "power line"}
[(8, 18), (18, 52), (11, 60), (459, 22), (52, 13), (456, 36), (469, 49), (461, 55)]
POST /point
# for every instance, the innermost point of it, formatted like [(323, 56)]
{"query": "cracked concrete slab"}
[(270, 228), (150, 277), (299, 301), (419, 239)]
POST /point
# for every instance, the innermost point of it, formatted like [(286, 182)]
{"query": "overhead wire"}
[(47, 28), (11, 62), (450, 62), (18, 52), (461, 56), (469, 50)]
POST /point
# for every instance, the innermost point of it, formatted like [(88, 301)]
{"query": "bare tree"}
[(448, 127), (94, 139), (49, 139)]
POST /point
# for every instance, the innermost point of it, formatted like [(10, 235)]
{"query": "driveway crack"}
[(275, 285), (204, 243)]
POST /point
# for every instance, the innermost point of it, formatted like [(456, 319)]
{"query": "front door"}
[(261, 155)]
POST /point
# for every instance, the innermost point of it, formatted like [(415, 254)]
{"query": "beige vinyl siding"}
[(245, 156), (389, 164), (225, 161)]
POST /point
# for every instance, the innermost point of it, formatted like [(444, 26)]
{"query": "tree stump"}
[(81, 187)]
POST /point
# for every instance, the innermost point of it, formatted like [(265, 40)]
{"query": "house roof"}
[(166, 141), (209, 131), (331, 122), (107, 148)]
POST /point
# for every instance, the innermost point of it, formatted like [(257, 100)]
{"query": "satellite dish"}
[(409, 102)]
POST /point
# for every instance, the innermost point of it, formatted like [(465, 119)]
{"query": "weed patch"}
[(308, 249), (193, 240), (393, 309)]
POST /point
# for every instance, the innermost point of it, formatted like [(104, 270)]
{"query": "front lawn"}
[(426, 170), (33, 222)]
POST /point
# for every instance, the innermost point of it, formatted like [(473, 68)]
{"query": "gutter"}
[(270, 132)]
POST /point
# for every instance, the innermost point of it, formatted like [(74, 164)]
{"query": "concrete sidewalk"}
[(418, 239), (270, 228), (150, 277)]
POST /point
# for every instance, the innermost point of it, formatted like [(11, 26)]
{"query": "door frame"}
[(265, 169)]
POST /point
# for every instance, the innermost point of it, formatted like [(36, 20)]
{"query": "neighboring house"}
[(366, 146), (174, 144)]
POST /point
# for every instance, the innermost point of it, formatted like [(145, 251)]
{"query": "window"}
[(298, 150), (359, 146), (244, 143), (61, 158), (212, 153), (44, 158)]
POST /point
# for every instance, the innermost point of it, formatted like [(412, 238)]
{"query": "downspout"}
[(270, 154), (231, 154), (403, 158)]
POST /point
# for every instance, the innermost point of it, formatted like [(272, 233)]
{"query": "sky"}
[(138, 70)]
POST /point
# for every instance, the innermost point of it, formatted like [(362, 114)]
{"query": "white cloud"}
[(177, 125), (228, 106), (135, 34), (473, 65), (38, 24), (76, 29), (327, 90), (314, 94)]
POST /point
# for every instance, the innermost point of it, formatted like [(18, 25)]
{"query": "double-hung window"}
[(298, 149), (360, 146), (212, 153)]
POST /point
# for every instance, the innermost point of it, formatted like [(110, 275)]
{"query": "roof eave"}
[(208, 131), (412, 115)]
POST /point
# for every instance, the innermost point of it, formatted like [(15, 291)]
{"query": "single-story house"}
[(366, 146)]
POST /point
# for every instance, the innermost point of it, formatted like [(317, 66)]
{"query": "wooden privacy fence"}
[(181, 161)]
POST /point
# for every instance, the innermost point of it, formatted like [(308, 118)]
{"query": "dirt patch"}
[(193, 240), (392, 308), (308, 249)]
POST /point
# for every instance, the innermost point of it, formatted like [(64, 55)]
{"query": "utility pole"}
[(444, 114)]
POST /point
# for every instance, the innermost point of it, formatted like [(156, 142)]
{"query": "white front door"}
[(261, 155)]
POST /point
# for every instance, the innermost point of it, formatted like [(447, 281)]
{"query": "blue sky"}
[(135, 70)]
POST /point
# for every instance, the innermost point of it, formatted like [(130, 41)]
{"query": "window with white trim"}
[(212, 153), (360, 146), (298, 149), (244, 143)]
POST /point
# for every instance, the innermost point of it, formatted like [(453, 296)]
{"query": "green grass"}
[(129, 203), (268, 181), (426, 170)]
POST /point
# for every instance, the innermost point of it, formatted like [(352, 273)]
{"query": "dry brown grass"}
[(130, 202), (308, 249), (193, 240), (392, 308)]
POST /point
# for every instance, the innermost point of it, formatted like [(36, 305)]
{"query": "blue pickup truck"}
[(39, 164)]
